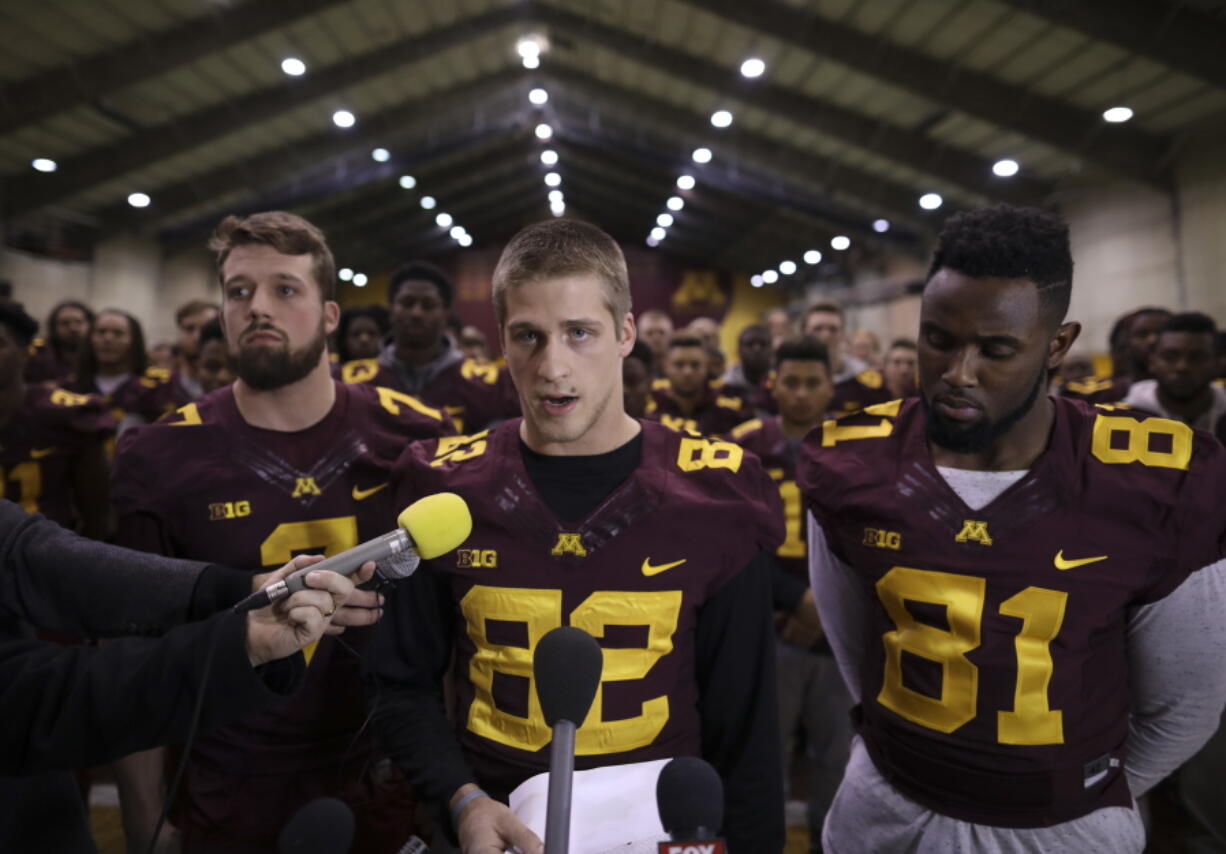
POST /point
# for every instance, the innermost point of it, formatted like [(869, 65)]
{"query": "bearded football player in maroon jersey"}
[(286, 460), (648, 539), (1024, 593)]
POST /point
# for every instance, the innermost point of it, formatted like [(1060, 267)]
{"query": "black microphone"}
[(323, 826), (427, 528), (567, 665), (690, 797)]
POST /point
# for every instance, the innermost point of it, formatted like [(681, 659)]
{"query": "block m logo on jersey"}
[(974, 532), (569, 544), (305, 486)]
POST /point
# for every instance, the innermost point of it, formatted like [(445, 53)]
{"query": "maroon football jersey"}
[(854, 393), (150, 395), (1096, 390), (995, 684), (633, 573), (714, 414), (765, 438), (474, 392), (204, 484), (45, 365), (40, 444)]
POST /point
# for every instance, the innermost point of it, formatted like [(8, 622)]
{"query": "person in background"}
[(898, 369), (361, 333), (1131, 340), (56, 359), (750, 376), (473, 343), (1219, 343), (866, 346), (780, 326), (189, 318), (214, 364), (162, 355), (1077, 368), (636, 381), (1184, 365), (655, 328), (688, 403), (705, 328), (812, 697), (855, 384), (717, 366)]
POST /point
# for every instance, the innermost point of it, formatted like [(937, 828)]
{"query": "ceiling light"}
[(664, 220), (752, 67), (528, 46), (343, 119), (881, 226), (549, 157), (930, 201), (702, 155), (685, 182), (1115, 115), (428, 202), (555, 195), (813, 257), (770, 277), (756, 280), (651, 241), (139, 200), (457, 231), (443, 219), (552, 179), (465, 240), (380, 155), (293, 66), (532, 62), (658, 233), (558, 209), (344, 274), (787, 268), (43, 164), (675, 203), (543, 131), (721, 118), (538, 96), (359, 280), (1005, 168), (840, 242), (408, 182)]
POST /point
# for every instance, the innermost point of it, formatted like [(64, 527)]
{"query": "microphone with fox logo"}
[(690, 797), (427, 528), (566, 665)]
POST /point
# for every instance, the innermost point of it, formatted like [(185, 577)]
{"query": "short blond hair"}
[(285, 232), (563, 247)]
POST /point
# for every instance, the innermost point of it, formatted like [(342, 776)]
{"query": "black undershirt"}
[(574, 486)]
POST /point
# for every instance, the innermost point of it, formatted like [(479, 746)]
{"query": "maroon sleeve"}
[(135, 494)]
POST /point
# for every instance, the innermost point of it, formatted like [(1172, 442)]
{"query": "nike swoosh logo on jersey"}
[(39, 453), (1061, 563), (650, 570), (359, 494)]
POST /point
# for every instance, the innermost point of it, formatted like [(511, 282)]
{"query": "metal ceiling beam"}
[(913, 149), (1128, 151), (25, 101), (99, 165), (760, 151), (1173, 34), (418, 117)]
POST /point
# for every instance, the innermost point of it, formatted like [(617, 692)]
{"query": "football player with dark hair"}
[(1131, 340), (1184, 365), (856, 384), (214, 365), (52, 441), (361, 332), (1024, 593), (421, 360), (749, 378), (636, 380), (685, 400), (55, 358), (651, 540), (898, 368), (284, 461), (811, 692)]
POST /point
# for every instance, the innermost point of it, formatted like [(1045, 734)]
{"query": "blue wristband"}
[(459, 805)]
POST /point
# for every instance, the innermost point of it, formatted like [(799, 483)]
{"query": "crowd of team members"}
[(297, 454)]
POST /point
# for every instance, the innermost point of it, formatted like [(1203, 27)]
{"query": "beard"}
[(266, 368), (982, 434)]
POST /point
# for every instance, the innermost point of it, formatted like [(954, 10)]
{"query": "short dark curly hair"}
[(1195, 322), (802, 348), (377, 313), (23, 327), (420, 271), (1009, 242)]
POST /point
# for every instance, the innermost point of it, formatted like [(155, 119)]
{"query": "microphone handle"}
[(345, 563), (561, 778)]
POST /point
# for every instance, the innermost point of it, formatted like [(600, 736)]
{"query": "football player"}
[(55, 359), (1131, 341), (750, 377), (649, 539), (284, 461), (811, 693), (856, 385), (898, 368), (52, 441), (685, 400), (1024, 593), (422, 361), (1184, 366)]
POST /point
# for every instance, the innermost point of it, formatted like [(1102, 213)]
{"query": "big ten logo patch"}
[(477, 558), (882, 539), (229, 510)]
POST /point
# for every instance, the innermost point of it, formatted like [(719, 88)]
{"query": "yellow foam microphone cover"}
[(437, 523)]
